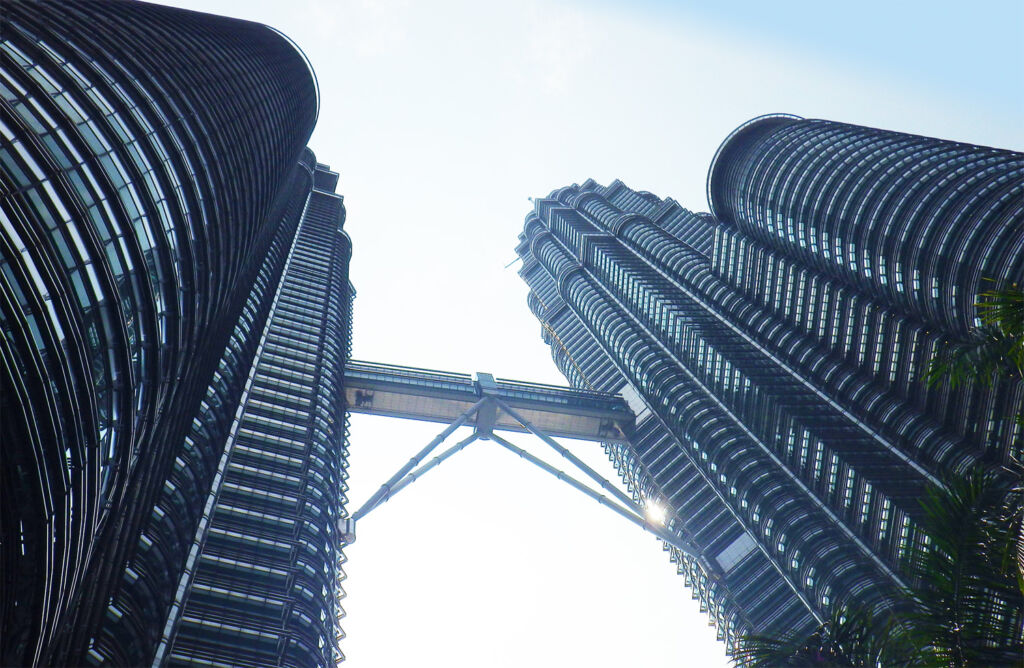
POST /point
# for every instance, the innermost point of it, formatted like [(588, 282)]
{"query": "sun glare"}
[(655, 512)]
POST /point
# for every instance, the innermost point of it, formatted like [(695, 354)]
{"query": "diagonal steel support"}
[(594, 475), (630, 514), (421, 471), (375, 500), (485, 416)]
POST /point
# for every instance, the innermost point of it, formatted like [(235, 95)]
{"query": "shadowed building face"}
[(773, 351), (919, 224), (150, 161)]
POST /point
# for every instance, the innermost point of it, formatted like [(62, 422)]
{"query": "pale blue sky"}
[(442, 119), (949, 46)]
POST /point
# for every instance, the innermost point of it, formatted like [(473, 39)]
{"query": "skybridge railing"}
[(440, 396)]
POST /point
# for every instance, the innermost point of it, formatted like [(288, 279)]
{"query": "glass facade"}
[(916, 223), (874, 245), (262, 586), (175, 314), (154, 175), (780, 407)]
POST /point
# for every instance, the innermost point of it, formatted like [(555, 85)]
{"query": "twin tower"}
[(176, 319), (777, 349)]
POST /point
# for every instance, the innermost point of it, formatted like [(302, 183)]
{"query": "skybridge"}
[(490, 405), (441, 396)]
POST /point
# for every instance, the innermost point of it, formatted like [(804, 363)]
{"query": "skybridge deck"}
[(440, 396)]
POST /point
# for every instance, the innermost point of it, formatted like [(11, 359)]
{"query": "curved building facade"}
[(262, 584), (622, 283), (875, 245), (917, 223), (150, 176), (780, 408)]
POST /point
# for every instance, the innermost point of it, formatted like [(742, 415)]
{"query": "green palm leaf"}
[(1003, 309), (967, 609), (848, 639), (990, 354)]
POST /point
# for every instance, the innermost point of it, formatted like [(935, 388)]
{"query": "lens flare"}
[(655, 512)]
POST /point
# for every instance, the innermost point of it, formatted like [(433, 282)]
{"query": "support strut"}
[(375, 500), (634, 517), (629, 509)]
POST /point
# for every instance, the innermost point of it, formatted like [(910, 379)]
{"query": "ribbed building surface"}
[(149, 584), (257, 489), (916, 223), (263, 581), (153, 179), (876, 245), (781, 411)]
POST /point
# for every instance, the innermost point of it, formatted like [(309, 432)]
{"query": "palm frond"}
[(966, 609), (1003, 308), (989, 355), (1007, 526), (850, 638), (966, 604), (760, 651)]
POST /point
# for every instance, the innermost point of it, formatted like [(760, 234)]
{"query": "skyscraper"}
[(774, 349), (174, 305), (262, 582)]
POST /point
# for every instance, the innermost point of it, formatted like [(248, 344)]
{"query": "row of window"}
[(863, 204), (642, 294)]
